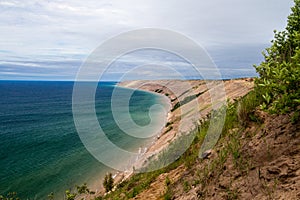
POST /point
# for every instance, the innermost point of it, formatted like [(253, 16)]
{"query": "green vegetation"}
[(10, 196), (187, 100), (167, 181), (279, 82), (246, 107), (70, 195), (158, 90), (108, 182), (186, 186), (83, 189), (139, 182), (51, 196), (277, 90), (168, 194), (232, 194)]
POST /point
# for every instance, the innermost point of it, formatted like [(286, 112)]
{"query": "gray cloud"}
[(67, 30)]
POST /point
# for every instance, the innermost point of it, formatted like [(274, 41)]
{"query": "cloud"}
[(41, 30)]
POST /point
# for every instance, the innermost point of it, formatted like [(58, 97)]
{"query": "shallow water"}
[(40, 150)]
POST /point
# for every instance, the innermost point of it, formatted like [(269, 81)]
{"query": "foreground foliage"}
[(279, 81)]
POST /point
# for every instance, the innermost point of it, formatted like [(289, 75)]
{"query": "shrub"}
[(69, 195), (10, 196), (168, 194), (108, 182), (279, 82), (83, 189), (167, 181)]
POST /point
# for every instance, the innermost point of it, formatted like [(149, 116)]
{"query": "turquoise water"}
[(40, 150)]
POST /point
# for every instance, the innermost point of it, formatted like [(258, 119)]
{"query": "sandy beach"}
[(182, 121)]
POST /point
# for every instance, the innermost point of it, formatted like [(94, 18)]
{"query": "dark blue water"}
[(40, 150)]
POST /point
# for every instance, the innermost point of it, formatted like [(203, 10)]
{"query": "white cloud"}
[(72, 29), (29, 64)]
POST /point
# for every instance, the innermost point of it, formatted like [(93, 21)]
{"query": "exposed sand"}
[(207, 95), (183, 119)]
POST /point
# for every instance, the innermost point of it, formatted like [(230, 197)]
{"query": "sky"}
[(50, 40)]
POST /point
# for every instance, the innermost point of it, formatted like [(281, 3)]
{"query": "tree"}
[(108, 182), (51, 196), (279, 82), (69, 195), (83, 189), (10, 196)]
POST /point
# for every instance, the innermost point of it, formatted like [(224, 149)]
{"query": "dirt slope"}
[(268, 166), (260, 160)]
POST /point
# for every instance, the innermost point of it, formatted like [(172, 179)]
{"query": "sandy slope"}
[(196, 99), (183, 119), (268, 166)]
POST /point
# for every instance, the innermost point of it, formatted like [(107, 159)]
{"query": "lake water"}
[(40, 150)]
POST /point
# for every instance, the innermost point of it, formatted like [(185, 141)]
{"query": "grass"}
[(168, 194), (167, 181), (232, 194), (187, 100), (234, 148), (139, 182), (269, 188), (246, 107), (186, 149), (295, 117), (186, 186), (188, 158)]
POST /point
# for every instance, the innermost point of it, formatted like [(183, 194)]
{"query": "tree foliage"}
[(70, 195), (108, 182), (83, 189), (10, 196), (279, 81)]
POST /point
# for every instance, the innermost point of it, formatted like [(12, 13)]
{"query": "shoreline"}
[(120, 176), (234, 89)]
